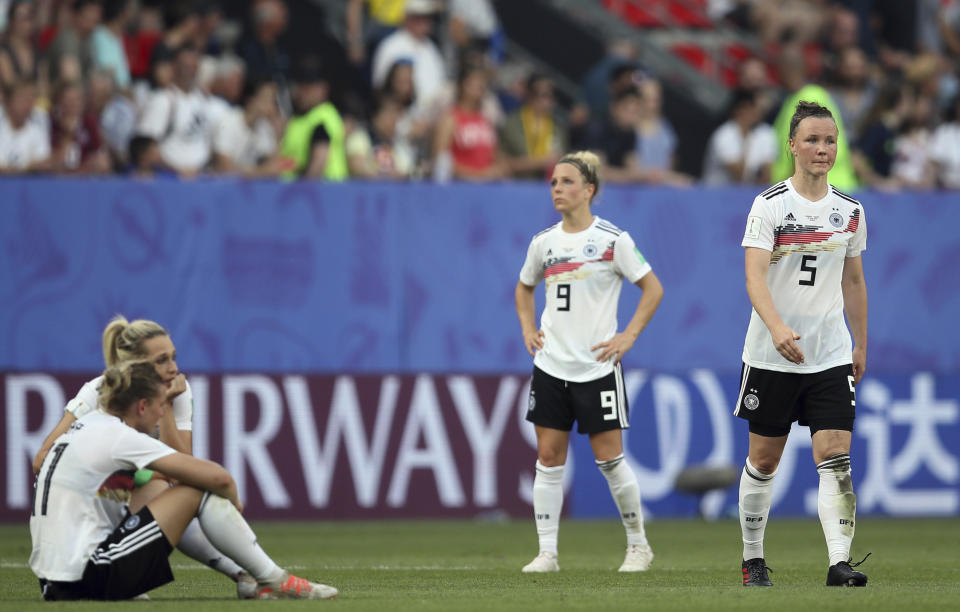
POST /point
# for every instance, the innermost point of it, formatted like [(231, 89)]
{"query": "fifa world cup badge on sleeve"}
[(753, 227)]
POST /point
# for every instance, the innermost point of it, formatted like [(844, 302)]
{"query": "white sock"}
[(547, 503), (195, 545), (756, 493), (232, 536), (837, 506), (626, 494)]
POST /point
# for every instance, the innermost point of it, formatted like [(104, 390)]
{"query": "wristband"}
[(142, 477)]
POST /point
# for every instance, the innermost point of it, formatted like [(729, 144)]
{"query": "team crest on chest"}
[(836, 219), (590, 250)]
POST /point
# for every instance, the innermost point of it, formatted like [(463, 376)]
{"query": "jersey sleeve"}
[(760, 224), (183, 410), (86, 400), (628, 261), (858, 243), (532, 271), (137, 450)]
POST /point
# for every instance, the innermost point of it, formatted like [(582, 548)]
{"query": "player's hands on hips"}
[(785, 341), (176, 386), (859, 363), (533, 340), (614, 348)]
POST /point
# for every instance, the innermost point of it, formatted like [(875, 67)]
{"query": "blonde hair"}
[(123, 340), (128, 383), (588, 164)]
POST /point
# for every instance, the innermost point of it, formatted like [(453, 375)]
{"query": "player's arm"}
[(178, 440), (855, 305), (757, 262), (622, 342), (65, 422), (198, 473), (526, 312)]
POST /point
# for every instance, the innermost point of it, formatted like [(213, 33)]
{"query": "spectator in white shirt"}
[(945, 148), (742, 149), (413, 42), (24, 131), (180, 117), (246, 137)]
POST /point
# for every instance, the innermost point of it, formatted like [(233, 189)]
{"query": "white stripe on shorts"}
[(621, 396), (743, 386), (127, 545)]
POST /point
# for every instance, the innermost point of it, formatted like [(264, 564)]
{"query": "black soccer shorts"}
[(772, 400), (596, 405), (132, 560)]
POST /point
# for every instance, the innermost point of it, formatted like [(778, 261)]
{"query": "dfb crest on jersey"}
[(131, 523), (589, 250), (532, 402), (751, 402), (836, 219)]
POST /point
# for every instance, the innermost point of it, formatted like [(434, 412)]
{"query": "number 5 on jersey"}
[(812, 269)]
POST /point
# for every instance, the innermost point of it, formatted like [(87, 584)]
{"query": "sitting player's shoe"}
[(755, 573), (638, 559), (294, 587), (544, 562), (246, 586), (843, 574)]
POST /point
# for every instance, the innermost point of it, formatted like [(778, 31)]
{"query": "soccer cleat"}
[(294, 587), (544, 562), (246, 586), (755, 573), (843, 574), (638, 559)]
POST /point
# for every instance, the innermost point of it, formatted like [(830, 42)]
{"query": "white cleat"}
[(294, 587), (544, 562), (638, 559), (246, 586)]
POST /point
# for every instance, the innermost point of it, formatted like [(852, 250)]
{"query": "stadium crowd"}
[(180, 88)]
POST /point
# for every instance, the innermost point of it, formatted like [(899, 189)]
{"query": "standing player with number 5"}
[(577, 375), (803, 242)]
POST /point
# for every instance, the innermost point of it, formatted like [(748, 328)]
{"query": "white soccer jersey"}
[(809, 243), (69, 517), (584, 273), (88, 398)]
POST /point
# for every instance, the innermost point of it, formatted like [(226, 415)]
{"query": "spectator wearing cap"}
[(70, 56), (413, 42), (180, 117), (533, 138), (314, 137)]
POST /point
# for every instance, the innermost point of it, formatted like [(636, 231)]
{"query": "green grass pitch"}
[(462, 565)]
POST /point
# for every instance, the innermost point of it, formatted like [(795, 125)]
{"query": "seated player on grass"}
[(78, 553)]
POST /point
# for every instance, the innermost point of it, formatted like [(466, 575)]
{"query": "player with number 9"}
[(577, 375)]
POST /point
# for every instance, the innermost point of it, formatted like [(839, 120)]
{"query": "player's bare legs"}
[(548, 496), (837, 504), (756, 494)]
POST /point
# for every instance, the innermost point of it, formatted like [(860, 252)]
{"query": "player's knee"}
[(765, 464), (551, 458)]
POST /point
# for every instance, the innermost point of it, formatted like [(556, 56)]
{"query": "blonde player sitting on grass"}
[(146, 340), (78, 553)]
